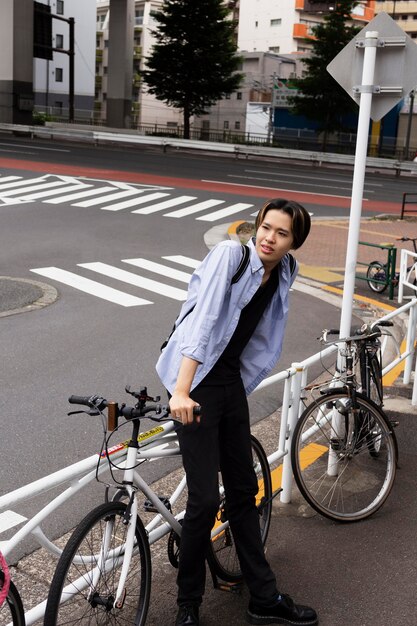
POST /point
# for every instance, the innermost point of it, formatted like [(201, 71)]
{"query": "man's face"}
[(274, 238)]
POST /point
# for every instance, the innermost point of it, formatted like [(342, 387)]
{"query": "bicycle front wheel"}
[(376, 277), (83, 589), (344, 456), (11, 611), (222, 555)]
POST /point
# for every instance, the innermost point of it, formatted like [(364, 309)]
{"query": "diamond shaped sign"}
[(395, 66)]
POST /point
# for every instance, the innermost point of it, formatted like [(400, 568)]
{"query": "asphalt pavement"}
[(359, 574)]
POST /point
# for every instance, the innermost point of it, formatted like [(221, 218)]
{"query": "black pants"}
[(221, 440)]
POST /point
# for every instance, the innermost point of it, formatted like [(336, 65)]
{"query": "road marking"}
[(231, 210), (158, 268), (9, 178), (135, 202), (9, 519), (135, 279), (164, 205), (114, 196), (15, 192), (195, 208), (80, 194), (20, 182), (90, 286), (183, 260), (54, 192)]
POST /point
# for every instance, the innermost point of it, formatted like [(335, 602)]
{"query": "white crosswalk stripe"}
[(115, 196), (90, 286), (117, 296), (135, 279), (161, 206)]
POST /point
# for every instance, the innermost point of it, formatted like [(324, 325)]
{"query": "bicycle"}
[(344, 451), (377, 272), (104, 572), (11, 606)]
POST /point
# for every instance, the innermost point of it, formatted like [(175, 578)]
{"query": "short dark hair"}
[(300, 218)]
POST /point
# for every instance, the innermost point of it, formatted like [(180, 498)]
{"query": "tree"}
[(193, 63), (320, 97)]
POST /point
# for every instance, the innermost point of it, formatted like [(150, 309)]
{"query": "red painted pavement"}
[(206, 185)]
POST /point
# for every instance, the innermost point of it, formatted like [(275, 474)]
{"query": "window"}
[(59, 74), (226, 125), (237, 125), (139, 17), (59, 41), (256, 24), (274, 49), (239, 95), (60, 7), (228, 96), (276, 22), (59, 105), (206, 124)]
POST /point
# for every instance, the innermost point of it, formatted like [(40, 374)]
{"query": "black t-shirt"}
[(227, 367)]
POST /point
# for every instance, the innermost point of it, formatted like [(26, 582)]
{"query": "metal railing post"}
[(287, 476), (411, 337)]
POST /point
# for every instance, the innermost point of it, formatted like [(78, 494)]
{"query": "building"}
[(285, 27), (146, 109), (51, 77)]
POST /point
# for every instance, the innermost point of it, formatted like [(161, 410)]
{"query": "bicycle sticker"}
[(124, 444)]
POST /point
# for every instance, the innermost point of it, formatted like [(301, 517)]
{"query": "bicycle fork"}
[(110, 559)]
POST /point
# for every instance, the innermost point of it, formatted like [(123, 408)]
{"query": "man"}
[(227, 339)]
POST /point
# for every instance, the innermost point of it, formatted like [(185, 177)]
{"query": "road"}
[(119, 251)]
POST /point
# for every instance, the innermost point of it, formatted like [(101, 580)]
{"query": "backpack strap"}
[(244, 262), (293, 263)]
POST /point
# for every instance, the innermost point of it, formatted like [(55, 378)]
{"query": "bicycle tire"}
[(376, 272), (361, 480), (11, 611), (85, 542), (222, 556)]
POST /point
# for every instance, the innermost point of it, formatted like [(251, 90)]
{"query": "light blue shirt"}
[(215, 306)]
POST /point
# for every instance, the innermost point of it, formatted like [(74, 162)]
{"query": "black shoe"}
[(187, 616), (284, 611)]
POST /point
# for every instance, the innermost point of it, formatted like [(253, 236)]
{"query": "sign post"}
[(378, 68)]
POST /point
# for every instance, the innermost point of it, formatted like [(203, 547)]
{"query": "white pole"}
[(365, 102)]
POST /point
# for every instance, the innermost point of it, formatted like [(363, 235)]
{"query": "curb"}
[(49, 296)]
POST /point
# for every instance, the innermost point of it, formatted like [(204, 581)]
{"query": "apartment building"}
[(286, 26), (51, 77), (146, 109)]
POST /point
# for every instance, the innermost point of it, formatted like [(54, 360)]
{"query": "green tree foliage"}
[(320, 97), (193, 63)]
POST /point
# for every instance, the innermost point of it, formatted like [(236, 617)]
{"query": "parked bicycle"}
[(11, 606), (344, 451), (377, 272), (104, 572)]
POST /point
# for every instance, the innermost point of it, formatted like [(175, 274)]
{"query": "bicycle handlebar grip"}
[(197, 410), (80, 400), (385, 323)]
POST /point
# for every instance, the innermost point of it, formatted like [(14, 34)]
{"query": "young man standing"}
[(227, 339)]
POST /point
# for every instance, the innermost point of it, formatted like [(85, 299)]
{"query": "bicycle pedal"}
[(230, 587), (149, 506)]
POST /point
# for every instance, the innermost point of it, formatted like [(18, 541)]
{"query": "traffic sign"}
[(395, 68)]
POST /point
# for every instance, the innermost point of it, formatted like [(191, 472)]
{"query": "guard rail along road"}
[(74, 477), (73, 132)]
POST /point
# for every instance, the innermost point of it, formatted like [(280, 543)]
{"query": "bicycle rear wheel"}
[(11, 611), (344, 457), (83, 604), (376, 276), (222, 556)]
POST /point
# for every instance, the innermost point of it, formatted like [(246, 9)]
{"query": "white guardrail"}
[(408, 273), (103, 136), (295, 378)]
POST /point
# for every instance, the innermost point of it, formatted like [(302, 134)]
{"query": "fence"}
[(295, 379), (390, 265), (408, 198)]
